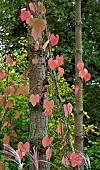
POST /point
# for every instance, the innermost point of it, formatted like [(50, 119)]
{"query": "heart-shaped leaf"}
[(46, 141), (87, 77), (33, 6), (54, 39), (83, 73), (24, 147), (52, 64), (76, 159), (48, 105), (39, 25), (25, 14), (9, 90), (23, 90), (29, 21), (80, 65), (41, 8), (60, 60), (34, 99), (35, 34)]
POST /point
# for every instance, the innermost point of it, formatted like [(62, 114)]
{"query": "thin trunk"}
[(38, 122), (79, 97)]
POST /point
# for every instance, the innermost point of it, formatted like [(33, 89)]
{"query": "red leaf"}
[(80, 65), (29, 21), (44, 90), (2, 101), (14, 134), (59, 130), (52, 64), (25, 73), (39, 25), (46, 141), (9, 90), (47, 113), (9, 122), (45, 81), (24, 14), (15, 88), (60, 71), (6, 139), (83, 73), (76, 159), (9, 60), (54, 39), (45, 45), (41, 8), (34, 99), (9, 104), (24, 147), (36, 46), (48, 105), (17, 115), (33, 6), (60, 60), (76, 90), (23, 90), (48, 153), (87, 77), (67, 108), (2, 74), (65, 161), (21, 154), (35, 34)]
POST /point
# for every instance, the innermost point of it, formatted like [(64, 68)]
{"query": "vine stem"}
[(65, 119)]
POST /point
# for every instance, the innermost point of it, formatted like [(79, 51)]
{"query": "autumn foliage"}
[(38, 25)]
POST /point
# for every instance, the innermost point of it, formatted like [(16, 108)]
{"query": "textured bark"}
[(38, 122), (79, 97)]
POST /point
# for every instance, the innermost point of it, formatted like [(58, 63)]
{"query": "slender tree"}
[(79, 97)]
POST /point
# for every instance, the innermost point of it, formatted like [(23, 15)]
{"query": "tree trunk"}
[(38, 122), (79, 97)]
